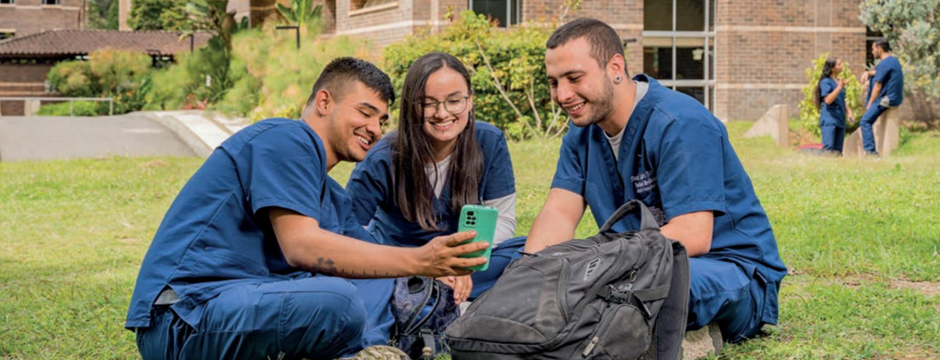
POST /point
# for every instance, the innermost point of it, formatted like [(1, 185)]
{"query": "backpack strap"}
[(673, 316), (433, 294), (647, 221)]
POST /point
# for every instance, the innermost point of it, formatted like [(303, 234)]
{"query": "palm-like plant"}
[(300, 12)]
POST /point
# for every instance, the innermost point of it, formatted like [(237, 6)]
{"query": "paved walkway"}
[(150, 133)]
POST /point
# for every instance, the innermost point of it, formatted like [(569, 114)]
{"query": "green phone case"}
[(481, 219)]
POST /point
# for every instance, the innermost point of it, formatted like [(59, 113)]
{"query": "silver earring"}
[(617, 79)]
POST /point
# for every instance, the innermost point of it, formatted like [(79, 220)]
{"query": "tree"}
[(159, 15), (301, 12), (913, 29), (103, 14)]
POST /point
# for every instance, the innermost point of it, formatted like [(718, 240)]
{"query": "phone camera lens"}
[(469, 213)]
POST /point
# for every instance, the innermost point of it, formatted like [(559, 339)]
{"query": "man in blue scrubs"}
[(249, 259), (635, 139), (887, 91)]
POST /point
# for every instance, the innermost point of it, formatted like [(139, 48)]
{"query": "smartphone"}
[(481, 219)]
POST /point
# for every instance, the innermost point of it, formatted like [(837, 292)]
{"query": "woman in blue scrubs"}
[(830, 99), (413, 183)]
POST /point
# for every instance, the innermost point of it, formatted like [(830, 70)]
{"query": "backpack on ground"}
[(610, 296), (423, 307)]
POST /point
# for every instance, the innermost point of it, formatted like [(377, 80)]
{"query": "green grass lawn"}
[(861, 238)]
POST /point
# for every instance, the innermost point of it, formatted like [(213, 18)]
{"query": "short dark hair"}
[(341, 72), (605, 43), (883, 44)]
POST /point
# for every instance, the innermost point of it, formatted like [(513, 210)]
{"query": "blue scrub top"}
[(675, 157), (215, 236), (831, 114), (889, 74), (374, 196)]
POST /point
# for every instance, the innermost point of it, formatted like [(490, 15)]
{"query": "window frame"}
[(708, 35), (513, 16)]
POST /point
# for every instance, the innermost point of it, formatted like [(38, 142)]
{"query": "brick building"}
[(739, 57), (24, 17), (26, 60)]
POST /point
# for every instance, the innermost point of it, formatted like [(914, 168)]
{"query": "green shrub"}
[(274, 77), (507, 69), (809, 113), (202, 77), (81, 108), (121, 75)]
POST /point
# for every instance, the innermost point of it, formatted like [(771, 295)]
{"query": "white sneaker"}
[(702, 342), (380, 352)]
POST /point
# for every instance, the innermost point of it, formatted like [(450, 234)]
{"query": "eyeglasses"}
[(454, 105)]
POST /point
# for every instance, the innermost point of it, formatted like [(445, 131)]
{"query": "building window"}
[(363, 4), (6, 2), (50, 2), (679, 46), (504, 12), (6, 34), (870, 37)]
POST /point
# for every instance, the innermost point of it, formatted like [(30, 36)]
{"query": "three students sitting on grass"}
[(262, 254)]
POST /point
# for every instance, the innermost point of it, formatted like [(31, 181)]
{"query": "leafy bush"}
[(202, 77), (809, 113), (275, 77), (913, 29), (81, 108), (507, 69), (121, 75)]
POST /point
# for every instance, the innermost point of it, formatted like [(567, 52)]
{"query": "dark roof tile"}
[(76, 42)]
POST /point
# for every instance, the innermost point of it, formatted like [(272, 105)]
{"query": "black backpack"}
[(611, 296), (423, 307)]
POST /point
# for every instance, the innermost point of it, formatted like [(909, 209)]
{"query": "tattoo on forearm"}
[(328, 267)]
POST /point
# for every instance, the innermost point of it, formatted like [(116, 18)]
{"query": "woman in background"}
[(830, 99)]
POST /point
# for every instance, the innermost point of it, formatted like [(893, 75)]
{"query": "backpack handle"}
[(647, 221)]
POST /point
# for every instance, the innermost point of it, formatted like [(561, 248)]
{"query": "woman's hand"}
[(462, 286)]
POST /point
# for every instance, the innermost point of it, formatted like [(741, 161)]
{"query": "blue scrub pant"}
[(723, 293), (319, 317), (500, 257), (833, 137), (868, 120)]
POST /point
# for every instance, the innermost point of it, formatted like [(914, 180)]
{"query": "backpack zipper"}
[(590, 347), (601, 325)]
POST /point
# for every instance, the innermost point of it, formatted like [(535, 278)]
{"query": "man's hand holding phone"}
[(441, 256)]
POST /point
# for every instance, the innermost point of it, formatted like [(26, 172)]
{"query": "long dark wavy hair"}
[(828, 66), (412, 149)]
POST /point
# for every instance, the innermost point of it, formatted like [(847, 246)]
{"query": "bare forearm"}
[(833, 95), (337, 255), (549, 228), (874, 94), (693, 230)]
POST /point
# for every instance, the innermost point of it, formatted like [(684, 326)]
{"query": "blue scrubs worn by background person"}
[(832, 117), (221, 260), (676, 158), (887, 91), (374, 204), (829, 97)]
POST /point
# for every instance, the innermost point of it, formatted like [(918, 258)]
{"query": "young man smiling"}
[(635, 139), (248, 261)]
